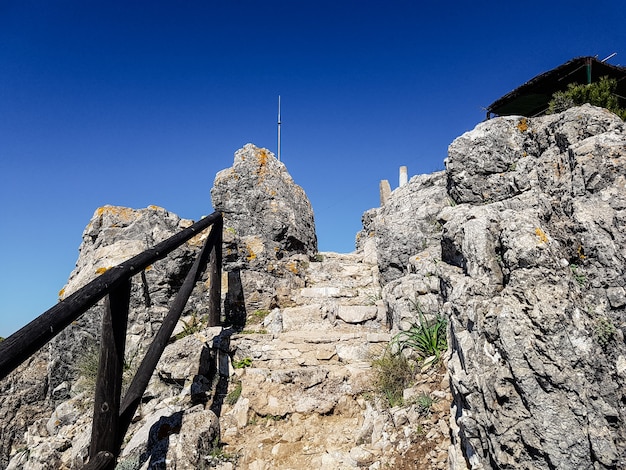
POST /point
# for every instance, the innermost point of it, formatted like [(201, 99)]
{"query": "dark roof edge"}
[(560, 70)]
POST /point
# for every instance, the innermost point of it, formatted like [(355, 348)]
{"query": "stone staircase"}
[(304, 375), (302, 371)]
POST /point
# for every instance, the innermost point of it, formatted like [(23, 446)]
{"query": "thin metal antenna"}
[(609, 57), (278, 127)]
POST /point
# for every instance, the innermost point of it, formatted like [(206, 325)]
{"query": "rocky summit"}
[(517, 251)]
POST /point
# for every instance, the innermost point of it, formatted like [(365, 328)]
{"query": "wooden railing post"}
[(215, 274), (159, 342), (105, 427)]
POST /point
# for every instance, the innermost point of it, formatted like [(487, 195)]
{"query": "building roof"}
[(532, 98)]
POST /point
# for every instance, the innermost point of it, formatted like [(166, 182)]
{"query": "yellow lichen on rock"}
[(123, 213), (522, 125), (543, 238), (101, 270)]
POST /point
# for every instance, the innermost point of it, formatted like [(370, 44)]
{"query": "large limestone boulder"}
[(269, 216), (533, 278), (405, 224), (269, 231), (113, 235), (527, 260)]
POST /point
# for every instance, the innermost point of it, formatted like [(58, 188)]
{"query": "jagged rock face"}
[(533, 282), (406, 224), (22, 404), (528, 264), (113, 235), (269, 231), (269, 216)]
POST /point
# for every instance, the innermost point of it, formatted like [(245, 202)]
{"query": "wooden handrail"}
[(111, 416), (22, 344)]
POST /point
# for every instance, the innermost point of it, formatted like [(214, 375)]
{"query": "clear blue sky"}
[(141, 102)]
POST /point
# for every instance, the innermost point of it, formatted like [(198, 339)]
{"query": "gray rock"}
[(531, 371), (269, 216), (113, 235), (406, 224), (269, 231)]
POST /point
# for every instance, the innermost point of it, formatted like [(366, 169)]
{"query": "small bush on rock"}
[(392, 374), (601, 93), (426, 338), (603, 331)]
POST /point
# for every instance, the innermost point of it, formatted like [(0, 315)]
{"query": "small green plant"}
[(254, 332), (580, 278), (427, 338), (604, 331), (88, 363), (1, 339), (424, 402), (218, 454), (392, 374), (234, 394), (601, 93), (87, 366), (192, 326), (275, 417), (243, 363), (258, 316), (373, 297), (318, 258)]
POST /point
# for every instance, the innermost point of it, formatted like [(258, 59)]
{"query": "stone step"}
[(308, 348), (346, 270)]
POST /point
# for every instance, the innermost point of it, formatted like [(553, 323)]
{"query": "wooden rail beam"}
[(22, 344), (142, 377), (215, 275)]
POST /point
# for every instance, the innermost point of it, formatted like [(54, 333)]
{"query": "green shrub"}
[(194, 325), (234, 394), (242, 363), (392, 374), (603, 331), (426, 338), (600, 93), (258, 316), (424, 402), (87, 368)]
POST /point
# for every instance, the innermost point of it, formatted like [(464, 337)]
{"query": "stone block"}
[(357, 313)]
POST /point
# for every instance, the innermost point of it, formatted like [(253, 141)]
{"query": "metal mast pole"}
[(278, 127)]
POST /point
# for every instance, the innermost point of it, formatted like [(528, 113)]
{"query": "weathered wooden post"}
[(215, 273), (105, 425)]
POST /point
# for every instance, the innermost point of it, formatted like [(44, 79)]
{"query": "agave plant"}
[(427, 338)]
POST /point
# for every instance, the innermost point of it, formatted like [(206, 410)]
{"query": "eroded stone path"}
[(305, 377)]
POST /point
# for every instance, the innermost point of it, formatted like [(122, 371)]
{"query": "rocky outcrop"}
[(527, 263), (535, 290), (54, 381), (520, 244), (113, 235), (269, 231), (22, 404), (269, 216), (405, 225)]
